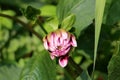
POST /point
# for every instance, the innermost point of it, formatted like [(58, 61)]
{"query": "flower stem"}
[(70, 73), (40, 22), (73, 69), (27, 26), (78, 69)]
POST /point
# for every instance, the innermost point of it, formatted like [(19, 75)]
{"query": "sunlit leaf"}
[(100, 5), (48, 10), (8, 23), (51, 25), (4, 36), (68, 22)]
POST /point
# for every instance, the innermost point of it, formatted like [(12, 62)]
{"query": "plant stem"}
[(70, 73), (73, 69), (78, 69), (40, 21), (27, 26)]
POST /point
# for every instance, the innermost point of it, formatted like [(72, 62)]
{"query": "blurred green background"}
[(18, 45)]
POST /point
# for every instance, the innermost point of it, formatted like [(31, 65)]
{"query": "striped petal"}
[(45, 43), (74, 43), (63, 61)]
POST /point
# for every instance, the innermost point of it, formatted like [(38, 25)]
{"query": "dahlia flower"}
[(59, 43)]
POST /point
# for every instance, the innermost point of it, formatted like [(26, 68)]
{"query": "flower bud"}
[(59, 43)]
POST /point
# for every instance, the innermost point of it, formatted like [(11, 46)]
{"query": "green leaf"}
[(51, 25), (83, 10), (8, 23), (114, 65), (68, 22), (51, 22), (106, 11), (48, 10), (31, 12), (9, 72), (114, 13), (4, 33), (100, 5), (40, 67)]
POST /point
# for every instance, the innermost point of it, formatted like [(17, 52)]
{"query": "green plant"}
[(83, 35)]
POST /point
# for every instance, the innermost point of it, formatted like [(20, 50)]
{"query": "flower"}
[(59, 43)]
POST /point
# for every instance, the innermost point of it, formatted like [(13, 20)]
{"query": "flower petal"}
[(63, 61), (63, 51), (57, 38), (67, 50), (52, 57), (74, 43), (50, 38), (45, 43), (63, 34)]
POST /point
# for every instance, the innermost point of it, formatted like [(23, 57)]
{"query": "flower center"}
[(59, 47)]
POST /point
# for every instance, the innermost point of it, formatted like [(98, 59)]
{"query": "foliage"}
[(40, 67), (24, 23), (113, 67), (5, 72), (83, 10), (98, 22), (31, 13)]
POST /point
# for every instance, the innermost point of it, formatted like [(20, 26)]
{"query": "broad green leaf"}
[(9, 73), (114, 64), (40, 67), (100, 5), (48, 10), (114, 13), (68, 22), (83, 10), (51, 22)]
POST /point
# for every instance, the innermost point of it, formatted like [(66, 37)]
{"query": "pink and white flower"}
[(59, 43)]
